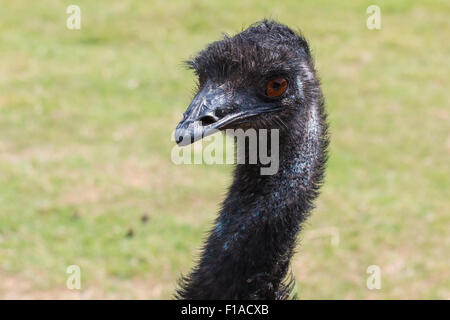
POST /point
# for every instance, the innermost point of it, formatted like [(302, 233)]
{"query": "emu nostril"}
[(208, 119)]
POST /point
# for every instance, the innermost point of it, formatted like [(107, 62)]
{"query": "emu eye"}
[(276, 87)]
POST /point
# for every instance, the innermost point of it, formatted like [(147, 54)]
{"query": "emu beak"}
[(202, 118), (214, 109)]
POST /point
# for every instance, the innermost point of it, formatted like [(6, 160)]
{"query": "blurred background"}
[(86, 118)]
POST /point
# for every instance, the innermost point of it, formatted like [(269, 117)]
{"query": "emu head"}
[(251, 80)]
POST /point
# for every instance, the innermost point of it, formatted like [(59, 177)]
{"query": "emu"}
[(261, 78)]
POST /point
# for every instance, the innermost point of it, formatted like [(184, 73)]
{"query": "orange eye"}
[(276, 87)]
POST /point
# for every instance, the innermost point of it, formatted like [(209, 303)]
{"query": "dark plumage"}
[(248, 251)]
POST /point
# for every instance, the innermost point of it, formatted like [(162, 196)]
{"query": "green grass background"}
[(85, 124)]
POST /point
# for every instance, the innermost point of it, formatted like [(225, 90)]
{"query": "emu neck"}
[(248, 250)]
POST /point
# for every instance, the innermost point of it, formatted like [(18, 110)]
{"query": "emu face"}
[(250, 80)]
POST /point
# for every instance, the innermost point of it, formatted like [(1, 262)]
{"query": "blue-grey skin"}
[(248, 250)]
